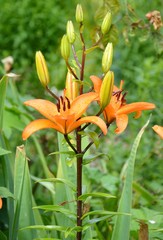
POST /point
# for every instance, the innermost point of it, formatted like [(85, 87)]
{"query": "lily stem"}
[(69, 143), (51, 93), (71, 70)]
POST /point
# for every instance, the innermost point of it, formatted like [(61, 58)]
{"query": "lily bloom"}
[(0, 202), (64, 117), (117, 110), (158, 130)]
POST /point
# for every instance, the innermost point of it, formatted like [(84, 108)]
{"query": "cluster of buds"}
[(72, 85)]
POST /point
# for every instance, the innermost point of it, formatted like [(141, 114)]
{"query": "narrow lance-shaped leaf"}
[(122, 224)]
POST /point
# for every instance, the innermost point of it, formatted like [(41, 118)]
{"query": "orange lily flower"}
[(63, 117), (158, 130), (117, 110), (0, 203)]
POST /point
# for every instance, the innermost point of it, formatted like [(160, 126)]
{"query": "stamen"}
[(61, 98), (68, 102), (58, 106), (123, 100), (64, 106)]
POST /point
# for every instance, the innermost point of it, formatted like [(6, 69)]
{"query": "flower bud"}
[(65, 47), (79, 13), (106, 23), (107, 57), (70, 32), (42, 69), (72, 87), (106, 89)]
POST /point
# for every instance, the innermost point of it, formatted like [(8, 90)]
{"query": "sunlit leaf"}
[(57, 208), (103, 212), (96, 194), (46, 227), (59, 180)]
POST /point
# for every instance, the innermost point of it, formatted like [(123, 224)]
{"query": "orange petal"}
[(46, 108), (81, 103), (64, 123), (109, 113), (121, 122), (38, 125), (137, 114), (1, 203), (96, 83), (91, 119), (135, 107), (158, 130)]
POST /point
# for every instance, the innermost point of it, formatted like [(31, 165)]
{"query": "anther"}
[(68, 103)]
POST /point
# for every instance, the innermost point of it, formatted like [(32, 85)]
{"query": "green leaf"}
[(46, 227), (103, 212), (23, 202), (5, 193), (3, 86), (70, 230), (89, 50), (46, 239), (66, 152), (2, 236), (121, 229), (60, 180), (4, 151), (89, 158), (96, 194), (90, 222), (93, 136), (143, 192), (64, 192), (57, 208)]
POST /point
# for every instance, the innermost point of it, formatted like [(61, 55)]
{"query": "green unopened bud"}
[(79, 14), (70, 32), (106, 23), (65, 47), (106, 89), (107, 57), (42, 69)]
